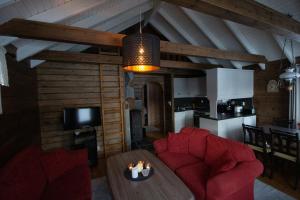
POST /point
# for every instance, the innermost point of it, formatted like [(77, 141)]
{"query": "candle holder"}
[(138, 172)]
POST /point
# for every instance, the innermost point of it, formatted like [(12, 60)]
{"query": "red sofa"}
[(33, 175), (212, 167)]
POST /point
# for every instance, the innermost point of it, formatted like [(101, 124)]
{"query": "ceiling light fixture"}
[(141, 52), (290, 74)]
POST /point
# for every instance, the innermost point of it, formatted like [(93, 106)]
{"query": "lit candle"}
[(140, 165), (148, 166), (130, 166), (135, 172)]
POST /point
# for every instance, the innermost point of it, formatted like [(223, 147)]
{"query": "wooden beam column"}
[(63, 33)]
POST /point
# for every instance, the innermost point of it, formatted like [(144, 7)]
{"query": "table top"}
[(280, 128), (164, 184)]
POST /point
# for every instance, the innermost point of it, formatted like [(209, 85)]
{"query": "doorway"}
[(154, 110)]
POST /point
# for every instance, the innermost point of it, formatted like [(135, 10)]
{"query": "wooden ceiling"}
[(203, 38)]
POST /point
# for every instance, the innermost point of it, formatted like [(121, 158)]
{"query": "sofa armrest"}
[(58, 162), (227, 183), (160, 145)]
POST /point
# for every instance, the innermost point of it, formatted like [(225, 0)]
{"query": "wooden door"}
[(155, 106)]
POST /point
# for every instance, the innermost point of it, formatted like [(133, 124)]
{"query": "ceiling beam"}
[(63, 33), (246, 12), (110, 14), (62, 56)]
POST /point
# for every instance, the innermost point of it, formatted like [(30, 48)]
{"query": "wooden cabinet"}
[(189, 87), (229, 84), (184, 119)]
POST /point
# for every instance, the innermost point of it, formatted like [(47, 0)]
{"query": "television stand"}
[(86, 138)]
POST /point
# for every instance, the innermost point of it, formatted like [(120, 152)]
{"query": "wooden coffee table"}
[(164, 184)]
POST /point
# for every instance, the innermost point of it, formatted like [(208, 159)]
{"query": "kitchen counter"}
[(228, 126), (227, 116)]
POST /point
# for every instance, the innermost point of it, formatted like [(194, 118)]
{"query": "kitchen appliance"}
[(238, 109)]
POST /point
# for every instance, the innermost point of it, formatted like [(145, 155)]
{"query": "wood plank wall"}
[(19, 123), (112, 98), (269, 106), (63, 85)]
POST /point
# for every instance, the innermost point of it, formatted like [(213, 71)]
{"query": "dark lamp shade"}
[(141, 52)]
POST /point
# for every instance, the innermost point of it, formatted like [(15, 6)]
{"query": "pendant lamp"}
[(141, 52), (290, 73)]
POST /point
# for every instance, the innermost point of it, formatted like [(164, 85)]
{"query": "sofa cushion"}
[(241, 152), (75, 185), (225, 163), (23, 176), (177, 160), (216, 146), (60, 161), (178, 143), (197, 143), (187, 130), (195, 177)]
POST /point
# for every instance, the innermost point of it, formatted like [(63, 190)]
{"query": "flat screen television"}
[(76, 118)]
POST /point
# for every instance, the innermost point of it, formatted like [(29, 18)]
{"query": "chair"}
[(285, 145), (257, 140)]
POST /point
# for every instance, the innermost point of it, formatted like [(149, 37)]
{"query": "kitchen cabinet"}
[(229, 84), (180, 88), (183, 119), (189, 87), (189, 118), (196, 87), (179, 121), (228, 128), (250, 120)]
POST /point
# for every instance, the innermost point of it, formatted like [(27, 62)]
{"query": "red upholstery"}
[(197, 143), (178, 143), (177, 160), (160, 145), (60, 161), (195, 177), (23, 176), (215, 148), (70, 186), (33, 175), (214, 168), (228, 183), (223, 165)]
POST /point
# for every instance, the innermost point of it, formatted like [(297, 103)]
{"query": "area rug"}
[(262, 191)]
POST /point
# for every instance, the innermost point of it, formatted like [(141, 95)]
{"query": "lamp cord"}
[(282, 53), (140, 20)]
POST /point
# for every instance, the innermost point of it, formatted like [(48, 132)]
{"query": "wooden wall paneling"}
[(269, 106), (63, 85), (112, 98)]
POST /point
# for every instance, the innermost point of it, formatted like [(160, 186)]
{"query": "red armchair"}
[(34, 175), (213, 168)]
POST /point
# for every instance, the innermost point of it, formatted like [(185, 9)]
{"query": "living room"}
[(149, 99)]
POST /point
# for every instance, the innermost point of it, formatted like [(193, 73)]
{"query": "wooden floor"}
[(281, 180)]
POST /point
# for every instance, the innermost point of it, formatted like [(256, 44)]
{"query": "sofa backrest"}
[(23, 177), (188, 140), (197, 142), (217, 146)]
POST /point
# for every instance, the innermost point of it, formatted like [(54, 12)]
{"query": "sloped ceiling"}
[(177, 24)]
